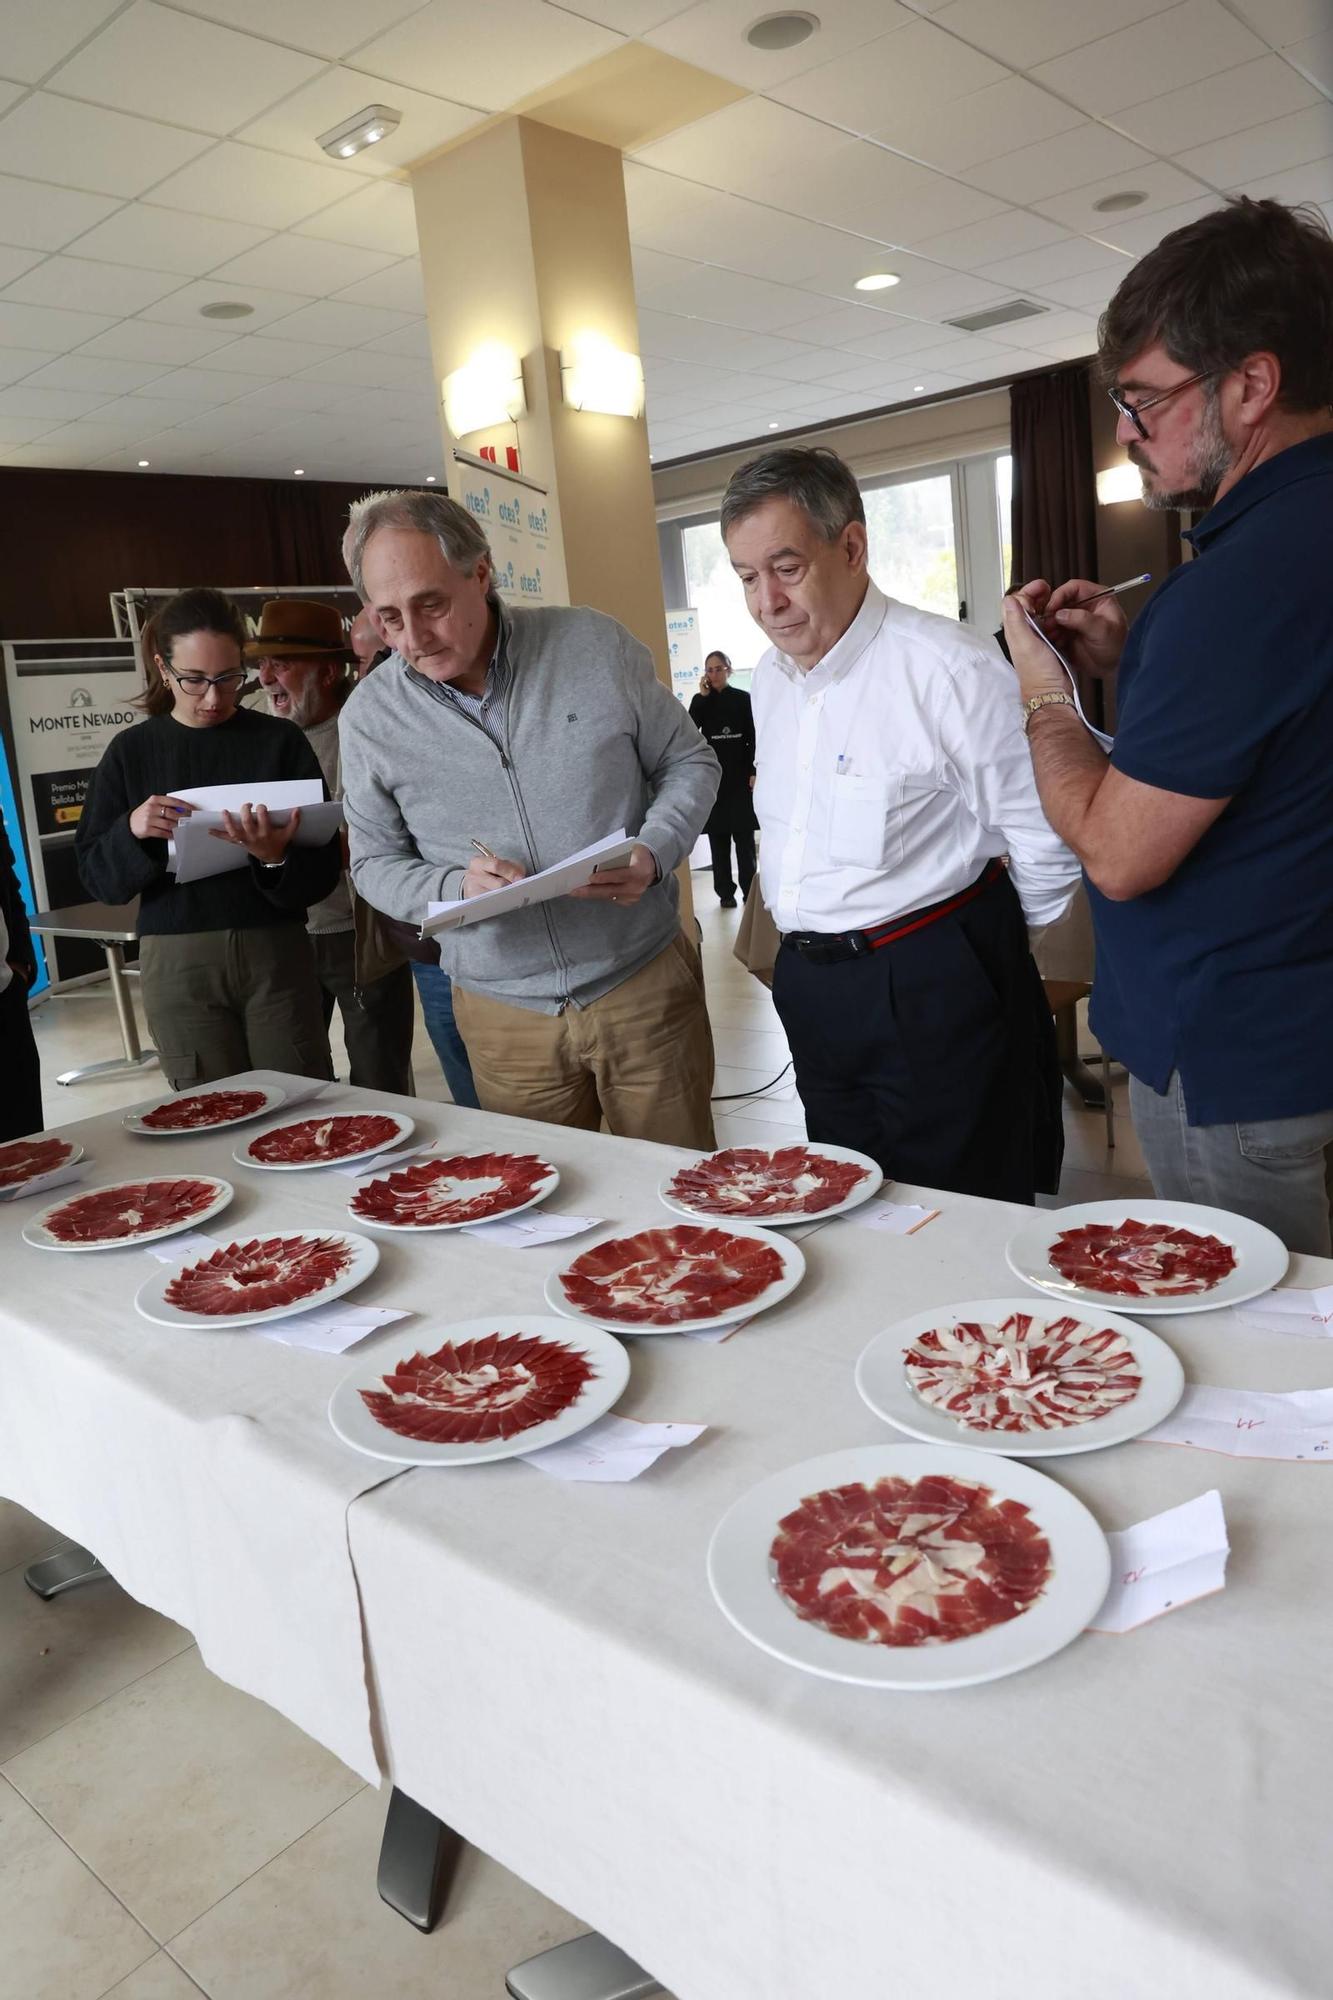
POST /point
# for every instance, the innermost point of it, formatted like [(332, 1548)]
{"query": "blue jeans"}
[(437, 1008)]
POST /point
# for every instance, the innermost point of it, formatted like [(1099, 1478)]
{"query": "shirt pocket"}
[(866, 821)]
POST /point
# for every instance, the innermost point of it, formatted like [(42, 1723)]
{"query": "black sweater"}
[(163, 755)]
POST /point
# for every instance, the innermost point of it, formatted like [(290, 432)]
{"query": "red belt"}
[(831, 947)]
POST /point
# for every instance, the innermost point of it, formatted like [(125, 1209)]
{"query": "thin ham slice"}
[(909, 1562), (466, 1187), (663, 1276), (131, 1209), (208, 1107), (748, 1183), (259, 1275), (316, 1140), (477, 1390), (1027, 1374), (24, 1159), (1142, 1260)]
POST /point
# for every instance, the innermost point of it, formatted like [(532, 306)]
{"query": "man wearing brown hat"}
[(302, 654)]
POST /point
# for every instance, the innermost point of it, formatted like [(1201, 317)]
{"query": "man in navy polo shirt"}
[(1207, 835)]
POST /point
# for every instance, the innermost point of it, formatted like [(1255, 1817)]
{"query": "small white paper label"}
[(525, 1232), (612, 1450), (714, 1334), (383, 1163), (1291, 1310), (1251, 1423), (331, 1329), (178, 1249), (1162, 1563), (73, 1170), (893, 1218)]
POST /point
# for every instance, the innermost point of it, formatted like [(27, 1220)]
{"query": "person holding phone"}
[(227, 970)]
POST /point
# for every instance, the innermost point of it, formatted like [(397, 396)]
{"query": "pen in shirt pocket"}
[(843, 765)]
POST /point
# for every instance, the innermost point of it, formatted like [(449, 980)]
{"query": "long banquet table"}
[(541, 1664)]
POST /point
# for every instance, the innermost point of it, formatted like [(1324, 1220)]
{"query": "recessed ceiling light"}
[(773, 427), (877, 281), (772, 32), (226, 309), (367, 128), (919, 389), (1113, 204), (430, 479), (142, 463), (298, 472)]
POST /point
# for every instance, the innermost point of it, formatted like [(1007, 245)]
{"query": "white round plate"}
[(883, 1383), (356, 1426), (151, 1298), (741, 1575), (863, 1191), (14, 1149), (244, 1155), (133, 1121), (793, 1270), (546, 1187), (1261, 1257), (40, 1237)]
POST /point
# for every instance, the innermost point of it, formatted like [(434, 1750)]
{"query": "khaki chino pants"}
[(641, 1057)]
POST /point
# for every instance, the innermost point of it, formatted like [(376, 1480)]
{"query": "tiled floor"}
[(162, 1835)]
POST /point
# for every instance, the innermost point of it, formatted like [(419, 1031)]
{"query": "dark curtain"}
[(74, 537), (1054, 509)]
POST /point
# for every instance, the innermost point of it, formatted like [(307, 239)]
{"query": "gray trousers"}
[(1272, 1172), (378, 1017), (217, 1002)]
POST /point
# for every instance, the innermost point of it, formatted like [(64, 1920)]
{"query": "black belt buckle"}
[(829, 947)]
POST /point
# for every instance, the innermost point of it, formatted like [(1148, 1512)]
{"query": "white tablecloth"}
[(1140, 1816)]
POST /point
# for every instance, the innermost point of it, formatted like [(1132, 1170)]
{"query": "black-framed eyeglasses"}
[(1134, 411), (196, 683)]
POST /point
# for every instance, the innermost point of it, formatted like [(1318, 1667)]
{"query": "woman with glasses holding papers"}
[(227, 970)]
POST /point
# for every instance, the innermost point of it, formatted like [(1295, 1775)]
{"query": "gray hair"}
[(812, 477), (461, 541)]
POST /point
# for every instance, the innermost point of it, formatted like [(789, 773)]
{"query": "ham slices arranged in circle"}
[(663, 1276), (24, 1159), (913, 1562), (205, 1108), (315, 1140), (129, 1210), (1026, 1374), (479, 1389), (257, 1276), (1142, 1260), (749, 1184), (466, 1187)]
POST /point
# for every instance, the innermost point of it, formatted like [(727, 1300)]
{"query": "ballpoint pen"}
[(1112, 590)]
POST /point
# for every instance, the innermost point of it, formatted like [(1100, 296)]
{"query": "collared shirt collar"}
[(842, 656), (1312, 458)]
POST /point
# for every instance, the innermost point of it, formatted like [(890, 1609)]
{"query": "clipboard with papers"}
[(572, 873)]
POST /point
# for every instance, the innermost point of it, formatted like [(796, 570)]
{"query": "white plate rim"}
[(1233, 1290), (1162, 1388), (866, 1191), (133, 1120), (223, 1195), (544, 1193), (753, 1606), (14, 1192), (593, 1401), (365, 1257), (793, 1263), (244, 1158)]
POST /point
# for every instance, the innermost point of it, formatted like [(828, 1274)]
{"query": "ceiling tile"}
[(38, 217), (1072, 349), (183, 307), (980, 125), (227, 426), (910, 339), (57, 406), (1315, 58), (39, 36), (1165, 186), (1038, 269), (139, 416), (1219, 106), (9, 93), (399, 287), (339, 325), (888, 197), (1071, 159), (293, 395), (47, 328), (955, 292), (1175, 48), (914, 68), (244, 184), (833, 328), (712, 36), (255, 355), (86, 286), (13, 263), (411, 340), (362, 368), (754, 148), (91, 372), (212, 78), (799, 363), (140, 340), (19, 431), (166, 239), (440, 49), (294, 126), (303, 264), (1090, 293), (705, 291), (326, 27), (1008, 234), (1051, 327), (715, 346), (1312, 182), (1283, 21), (664, 211), (200, 385), (18, 362), (1025, 32), (81, 145), (380, 216), (1264, 149)]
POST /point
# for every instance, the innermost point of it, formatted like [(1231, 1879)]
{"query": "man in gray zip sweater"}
[(492, 743)]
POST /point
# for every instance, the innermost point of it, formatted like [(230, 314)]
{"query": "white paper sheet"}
[(1251, 1423), (331, 1329), (198, 855), (73, 1170), (525, 1232), (1290, 1310), (179, 1249), (892, 1218), (612, 1450), (384, 1163), (1164, 1562), (548, 883), (713, 1335), (1107, 742)]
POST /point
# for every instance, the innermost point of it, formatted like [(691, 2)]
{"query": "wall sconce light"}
[(488, 390), (594, 375), (1119, 482)]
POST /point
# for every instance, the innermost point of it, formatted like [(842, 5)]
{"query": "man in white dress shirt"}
[(904, 852)]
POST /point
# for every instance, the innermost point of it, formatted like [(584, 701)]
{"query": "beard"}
[(1210, 461)]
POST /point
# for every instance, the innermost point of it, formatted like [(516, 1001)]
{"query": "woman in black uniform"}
[(227, 970), (723, 716)]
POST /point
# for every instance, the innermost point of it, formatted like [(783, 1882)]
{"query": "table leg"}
[(68, 1567), (587, 1968), (134, 1057), (418, 1856)]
